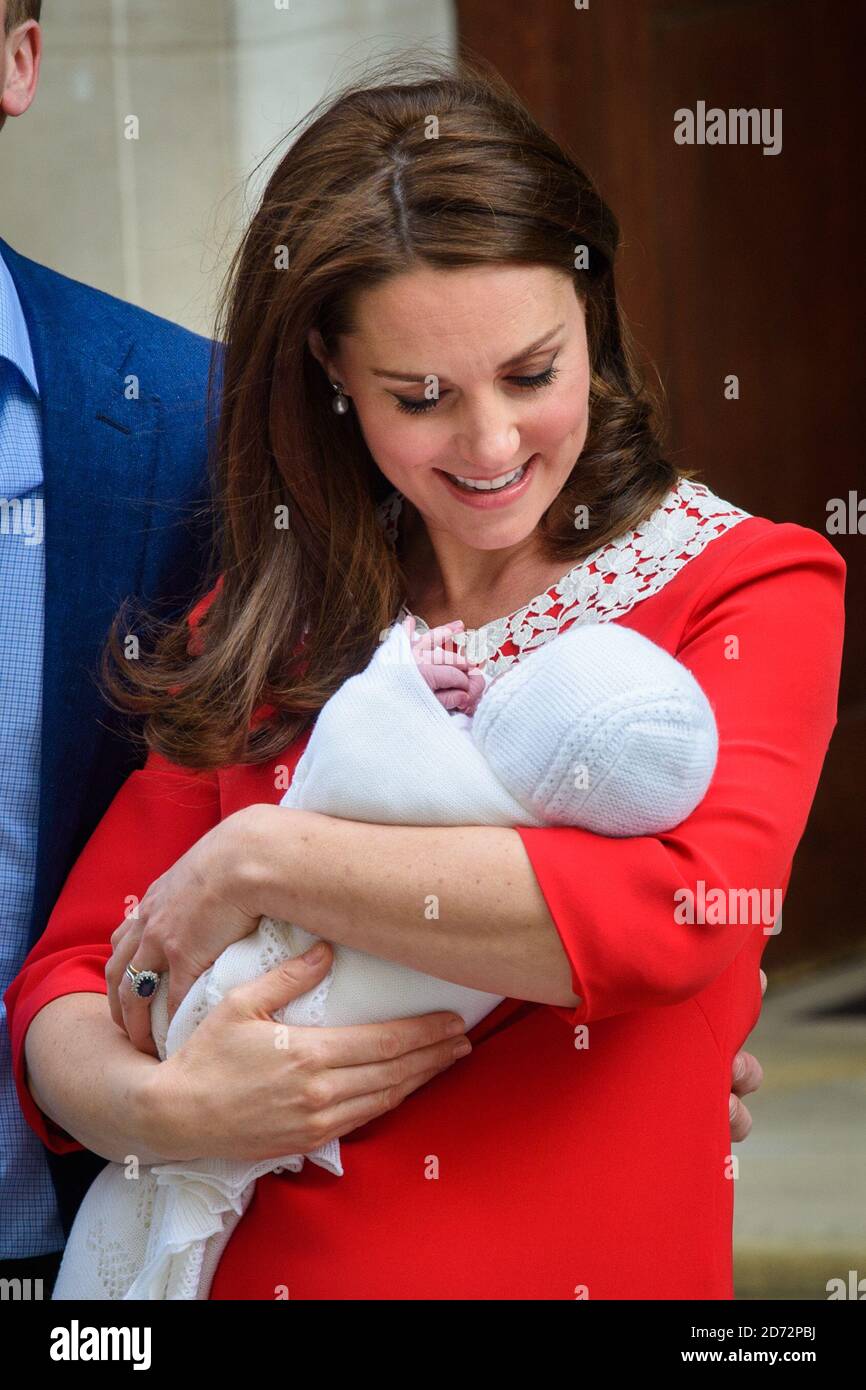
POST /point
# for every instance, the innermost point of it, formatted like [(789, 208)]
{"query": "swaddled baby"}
[(597, 728)]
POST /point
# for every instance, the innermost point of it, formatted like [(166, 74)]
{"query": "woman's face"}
[(478, 373)]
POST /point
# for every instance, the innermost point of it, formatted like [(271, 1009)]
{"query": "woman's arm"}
[(228, 1091), (526, 912), (563, 916), (157, 813), (461, 903), (86, 1076)]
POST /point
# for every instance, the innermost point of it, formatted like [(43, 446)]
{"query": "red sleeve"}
[(194, 646), (159, 813), (613, 901)]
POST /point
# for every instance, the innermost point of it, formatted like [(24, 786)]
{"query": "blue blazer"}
[(127, 511)]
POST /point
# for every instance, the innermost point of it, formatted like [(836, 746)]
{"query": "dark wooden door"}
[(736, 262)]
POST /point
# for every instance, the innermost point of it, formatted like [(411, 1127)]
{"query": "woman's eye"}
[(528, 383), (414, 407), (533, 382)]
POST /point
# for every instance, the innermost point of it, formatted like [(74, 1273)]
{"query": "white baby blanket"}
[(597, 727)]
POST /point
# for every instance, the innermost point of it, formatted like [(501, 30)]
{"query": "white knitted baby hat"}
[(600, 727)]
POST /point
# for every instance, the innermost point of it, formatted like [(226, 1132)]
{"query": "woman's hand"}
[(185, 920), (747, 1075), (243, 1086)]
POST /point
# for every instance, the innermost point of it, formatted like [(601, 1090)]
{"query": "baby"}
[(597, 728)]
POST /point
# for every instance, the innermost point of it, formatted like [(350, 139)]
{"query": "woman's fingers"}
[(114, 969), (342, 1118), (242, 1086), (364, 1043), (266, 994), (377, 1079), (131, 1011), (135, 1009), (181, 978), (184, 921), (346, 1097), (353, 1073)]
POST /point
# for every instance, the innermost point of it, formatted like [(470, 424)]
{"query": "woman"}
[(429, 260)]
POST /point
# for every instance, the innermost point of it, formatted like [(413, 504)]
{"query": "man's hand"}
[(746, 1075)]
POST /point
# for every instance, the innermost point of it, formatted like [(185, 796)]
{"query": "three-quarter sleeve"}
[(158, 814), (764, 640)]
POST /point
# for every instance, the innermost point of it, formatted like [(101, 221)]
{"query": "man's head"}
[(20, 54)]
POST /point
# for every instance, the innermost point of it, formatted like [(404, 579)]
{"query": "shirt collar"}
[(14, 338)]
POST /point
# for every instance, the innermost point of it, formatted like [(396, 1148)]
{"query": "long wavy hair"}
[(300, 557)]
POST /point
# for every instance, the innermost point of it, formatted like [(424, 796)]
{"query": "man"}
[(102, 473)]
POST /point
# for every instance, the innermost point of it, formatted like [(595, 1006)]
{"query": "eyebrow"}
[(512, 361)]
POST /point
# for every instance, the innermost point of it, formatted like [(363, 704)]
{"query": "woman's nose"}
[(490, 438)]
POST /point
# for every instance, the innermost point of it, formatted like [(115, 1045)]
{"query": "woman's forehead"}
[(483, 313)]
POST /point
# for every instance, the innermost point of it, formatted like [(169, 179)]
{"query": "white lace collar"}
[(602, 586)]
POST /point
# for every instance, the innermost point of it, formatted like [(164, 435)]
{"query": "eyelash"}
[(527, 383)]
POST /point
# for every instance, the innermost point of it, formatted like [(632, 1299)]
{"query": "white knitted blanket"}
[(597, 728)]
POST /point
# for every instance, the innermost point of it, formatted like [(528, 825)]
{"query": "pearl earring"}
[(340, 403)]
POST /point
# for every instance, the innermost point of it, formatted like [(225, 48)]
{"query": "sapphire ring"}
[(144, 982)]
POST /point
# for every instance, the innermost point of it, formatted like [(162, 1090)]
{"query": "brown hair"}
[(362, 195), (18, 11)]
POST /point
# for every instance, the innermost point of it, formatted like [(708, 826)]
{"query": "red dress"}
[(555, 1162)]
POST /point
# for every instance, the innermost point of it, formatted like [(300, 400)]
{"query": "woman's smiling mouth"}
[(490, 492)]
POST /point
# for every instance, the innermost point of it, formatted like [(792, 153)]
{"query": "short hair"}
[(17, 11)]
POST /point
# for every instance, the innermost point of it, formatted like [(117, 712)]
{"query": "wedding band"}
[(144, 982)]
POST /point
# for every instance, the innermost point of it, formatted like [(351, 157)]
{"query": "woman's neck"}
[(447, 580)]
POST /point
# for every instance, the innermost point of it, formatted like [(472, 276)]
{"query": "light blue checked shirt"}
[(29, 1220)]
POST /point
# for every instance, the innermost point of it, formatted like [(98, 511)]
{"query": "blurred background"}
[(734, 262)]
